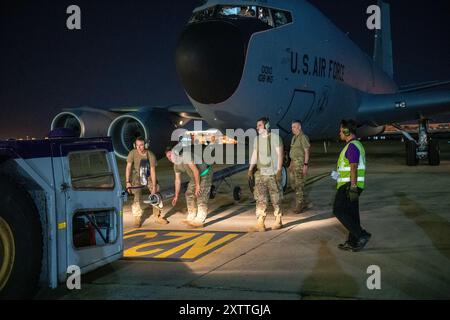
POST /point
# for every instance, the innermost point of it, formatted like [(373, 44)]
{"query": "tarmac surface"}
[(405, 208)]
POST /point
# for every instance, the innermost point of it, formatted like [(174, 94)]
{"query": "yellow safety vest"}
[(343, 166)]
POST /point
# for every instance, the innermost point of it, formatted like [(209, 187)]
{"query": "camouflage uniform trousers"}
[(298, 182), (265, 186), (137, 208), (198, 206)]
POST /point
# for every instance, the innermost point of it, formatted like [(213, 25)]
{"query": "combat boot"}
[(195, 224), (158, 218), (278, 224), (161, 220), (137, 222), (260, 227), (190, 217), (298, 208)]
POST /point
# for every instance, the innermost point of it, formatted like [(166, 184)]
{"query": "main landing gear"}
[(425, 148)]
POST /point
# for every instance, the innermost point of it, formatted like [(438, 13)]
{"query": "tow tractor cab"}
[(60, 206)]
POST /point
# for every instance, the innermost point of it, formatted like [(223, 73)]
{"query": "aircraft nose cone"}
[(210, 59)]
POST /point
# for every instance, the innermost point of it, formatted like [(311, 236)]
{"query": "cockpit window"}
[(237, 11), (264, 16), (281, 17), (272, 17), (203, 15)]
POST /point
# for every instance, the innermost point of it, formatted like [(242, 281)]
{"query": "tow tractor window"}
[(94, 228), (90, 170)]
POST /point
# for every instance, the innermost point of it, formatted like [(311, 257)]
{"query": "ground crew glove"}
[(353, 194)]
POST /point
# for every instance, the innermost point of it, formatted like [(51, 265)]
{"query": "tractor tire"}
[(21, 242)]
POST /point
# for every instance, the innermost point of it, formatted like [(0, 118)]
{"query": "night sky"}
[(124, 54)]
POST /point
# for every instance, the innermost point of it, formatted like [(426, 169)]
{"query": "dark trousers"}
[(347, 213)]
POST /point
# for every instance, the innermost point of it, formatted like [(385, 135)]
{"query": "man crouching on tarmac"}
[(198, 189), (267, 156)]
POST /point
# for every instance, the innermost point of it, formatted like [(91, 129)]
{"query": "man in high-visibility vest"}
[(350, 176)]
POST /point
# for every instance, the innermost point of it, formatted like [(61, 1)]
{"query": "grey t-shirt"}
[(266, 149), (139, 161)]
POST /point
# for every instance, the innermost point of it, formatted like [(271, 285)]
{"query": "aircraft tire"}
[(411, 157), (212, 192), (433, 153), (237, 193), (284, 178), (251, 184), (21, 243)]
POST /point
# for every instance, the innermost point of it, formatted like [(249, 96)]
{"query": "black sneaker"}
[(366, 234), (346, 246), (362, 242)]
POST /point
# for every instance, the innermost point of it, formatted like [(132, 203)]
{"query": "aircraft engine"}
[(85, 121), (154, 125)]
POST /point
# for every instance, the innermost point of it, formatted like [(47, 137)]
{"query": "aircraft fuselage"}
[(306, 69)]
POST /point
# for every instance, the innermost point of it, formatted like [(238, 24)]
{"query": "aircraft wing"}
[(185, 111), (381, 109), (423, 86)]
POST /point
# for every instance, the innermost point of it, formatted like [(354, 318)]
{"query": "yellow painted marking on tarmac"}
[(199, 246), (134, 251), (146, 234), (179, 236), (129, 231), (62, 225)]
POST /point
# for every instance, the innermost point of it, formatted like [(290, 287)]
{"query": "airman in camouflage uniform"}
[(198, 189), (298, 168), (267, 156), (141, 159)]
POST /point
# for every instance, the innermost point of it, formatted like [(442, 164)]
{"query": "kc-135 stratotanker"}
[(239, 60)]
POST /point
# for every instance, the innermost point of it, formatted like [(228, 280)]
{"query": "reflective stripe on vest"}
[(343, 166)]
